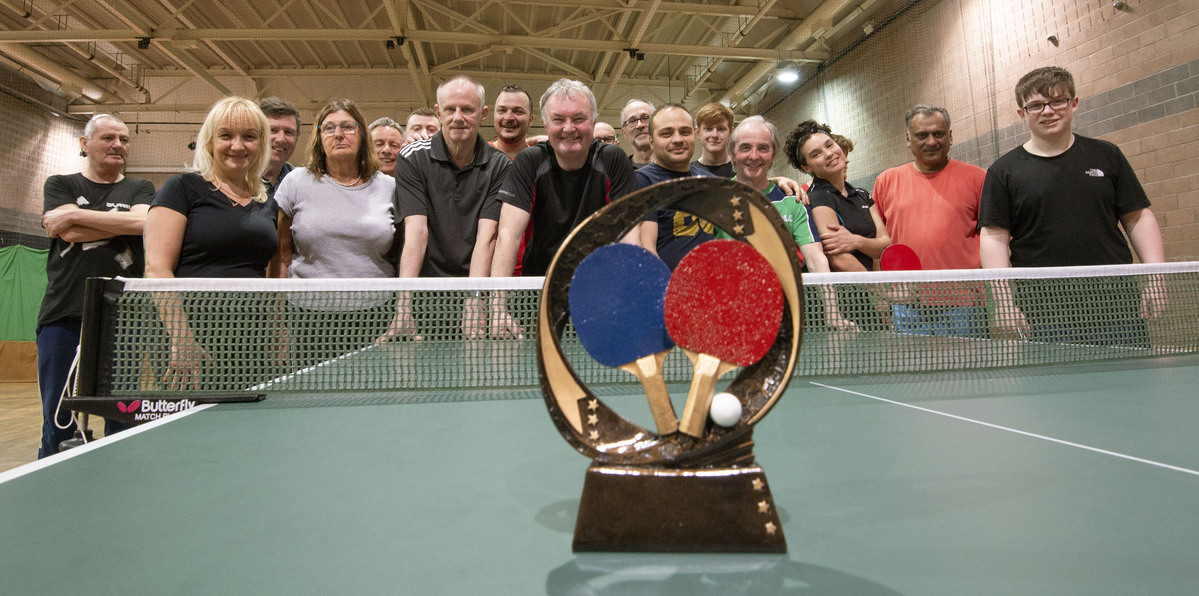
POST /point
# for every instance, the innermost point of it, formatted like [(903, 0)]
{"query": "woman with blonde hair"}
[(215, 221)]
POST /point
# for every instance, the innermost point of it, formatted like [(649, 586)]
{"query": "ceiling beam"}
[(427, 36)]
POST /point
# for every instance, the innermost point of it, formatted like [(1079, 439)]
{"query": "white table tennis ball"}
[(725, 410)]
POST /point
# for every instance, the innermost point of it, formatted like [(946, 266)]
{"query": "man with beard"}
[(284, 119), (513, 115), (672, 134)]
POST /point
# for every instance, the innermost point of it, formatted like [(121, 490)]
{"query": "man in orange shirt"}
[(931, 205)]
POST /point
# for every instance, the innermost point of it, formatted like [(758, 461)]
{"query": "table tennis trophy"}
[(691, 484)]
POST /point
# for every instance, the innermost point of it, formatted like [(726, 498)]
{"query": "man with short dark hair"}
[(672, 145), (94, 220), (1061, 199), (553, 187), (284, 119), (422, 123), (513, 115)]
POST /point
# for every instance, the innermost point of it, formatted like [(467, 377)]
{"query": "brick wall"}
[(1137, 73)]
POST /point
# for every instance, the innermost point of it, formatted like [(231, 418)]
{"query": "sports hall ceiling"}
[(150, 56)]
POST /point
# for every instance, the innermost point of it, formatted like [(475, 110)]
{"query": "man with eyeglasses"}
[(447, 193), (634, 119), (604, 133), (1061, 198)]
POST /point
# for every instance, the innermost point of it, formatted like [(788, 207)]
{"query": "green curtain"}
[(22, 285)]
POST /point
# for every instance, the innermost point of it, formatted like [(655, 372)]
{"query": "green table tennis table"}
[(1067, 479)]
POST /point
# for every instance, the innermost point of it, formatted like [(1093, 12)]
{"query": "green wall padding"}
[(22, 285)]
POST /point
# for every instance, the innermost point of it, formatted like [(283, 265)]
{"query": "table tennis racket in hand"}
[(899, 257), (616, 301), (724, 306)]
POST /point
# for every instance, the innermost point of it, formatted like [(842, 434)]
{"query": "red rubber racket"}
[(724, 306), (899, 257)]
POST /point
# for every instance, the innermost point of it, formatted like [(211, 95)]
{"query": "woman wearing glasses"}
[(336, 219)]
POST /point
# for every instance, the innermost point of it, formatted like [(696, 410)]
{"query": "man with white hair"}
[(94, 220), (447, 189), (554, 186)]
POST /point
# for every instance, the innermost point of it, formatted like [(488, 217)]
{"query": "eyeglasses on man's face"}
[(346, 128), (1056, 103), (636, 120)]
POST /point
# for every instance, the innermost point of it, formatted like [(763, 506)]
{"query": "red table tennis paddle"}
[(899, 257), (616, 302), (724, 306)]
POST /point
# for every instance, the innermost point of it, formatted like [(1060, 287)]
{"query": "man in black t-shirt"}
[(554, 186), (1060, 199), (94, 220)]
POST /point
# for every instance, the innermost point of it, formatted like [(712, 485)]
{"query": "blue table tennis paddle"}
[(616, 302)]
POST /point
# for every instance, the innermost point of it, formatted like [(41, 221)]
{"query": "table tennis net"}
[(222, 335)]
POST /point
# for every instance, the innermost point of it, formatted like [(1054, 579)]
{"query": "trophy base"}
[(706, 510)]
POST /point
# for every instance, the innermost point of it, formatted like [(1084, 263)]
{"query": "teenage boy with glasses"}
[(1061, 198)]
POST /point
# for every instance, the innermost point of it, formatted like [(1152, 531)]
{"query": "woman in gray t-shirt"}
[(337, 220)]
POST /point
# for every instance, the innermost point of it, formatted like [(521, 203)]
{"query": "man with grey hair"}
[(752, 146), (447, 190), (554, 186), (94, 220), (931, 205), (284, 120), (634, 124), (387, 137)]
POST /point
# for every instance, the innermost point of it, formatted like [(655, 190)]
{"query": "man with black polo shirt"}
[(553, 187), (672, 143), (447, 191), (94, 220)]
